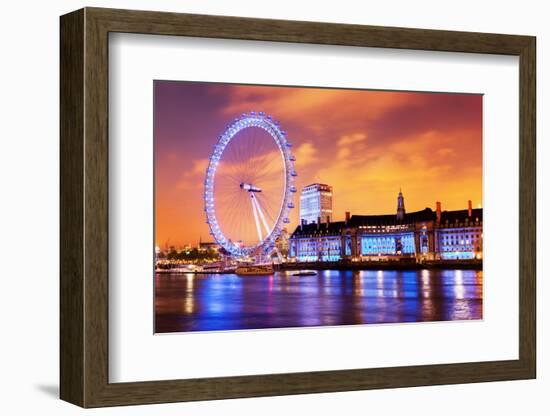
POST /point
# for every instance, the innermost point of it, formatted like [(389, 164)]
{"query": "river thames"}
[(202, 302)]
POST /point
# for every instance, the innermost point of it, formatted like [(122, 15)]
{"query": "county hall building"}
[(423, 235)]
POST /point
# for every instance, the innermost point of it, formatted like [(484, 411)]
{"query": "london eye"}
[(249, 185)]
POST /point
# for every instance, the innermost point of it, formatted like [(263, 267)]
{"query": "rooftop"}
[(316, 185), (426, 214)]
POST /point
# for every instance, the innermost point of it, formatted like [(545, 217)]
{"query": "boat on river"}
[(254, 270), (305, 273)]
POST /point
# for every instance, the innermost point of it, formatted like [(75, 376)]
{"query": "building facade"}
[(316, 203), (208, 247), (420, 235)]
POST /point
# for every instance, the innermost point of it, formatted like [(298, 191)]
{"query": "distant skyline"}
[(365, 144)]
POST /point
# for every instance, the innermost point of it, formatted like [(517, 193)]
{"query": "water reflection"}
[(189, 302)]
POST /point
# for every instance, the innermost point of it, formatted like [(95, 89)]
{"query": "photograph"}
[(289, 206)]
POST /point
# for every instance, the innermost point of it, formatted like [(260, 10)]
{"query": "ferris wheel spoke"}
[(232, 208), (270, 183), (231, 170), (270, 166), (227, 178), (260, 153), (261, 163)]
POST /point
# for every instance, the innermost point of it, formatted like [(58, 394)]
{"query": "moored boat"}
[(305, 273), (254, 270)]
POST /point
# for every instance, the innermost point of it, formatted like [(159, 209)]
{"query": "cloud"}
[(343, 153), (306, 154), (317, 109), (446, 151), (351, 139), (193, 178), (351, 144), (426, 165), (172, 157)]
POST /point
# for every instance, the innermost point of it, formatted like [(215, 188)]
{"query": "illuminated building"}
[(208, 247), (421, 235), (316, 203), (157, 254), (459, 234), (281, 243)]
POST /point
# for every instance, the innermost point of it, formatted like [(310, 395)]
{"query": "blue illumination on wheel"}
[(234, 132)]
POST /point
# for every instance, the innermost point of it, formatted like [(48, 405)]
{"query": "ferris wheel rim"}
[(260, 120)]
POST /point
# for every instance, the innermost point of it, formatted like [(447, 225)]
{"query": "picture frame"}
[(84, 216)]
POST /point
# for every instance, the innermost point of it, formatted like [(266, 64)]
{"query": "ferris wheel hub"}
[(249, 187)]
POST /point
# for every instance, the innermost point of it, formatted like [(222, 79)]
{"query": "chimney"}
[(318, 222), (348, 215), (328, 219), (438, 211), (469, 208)]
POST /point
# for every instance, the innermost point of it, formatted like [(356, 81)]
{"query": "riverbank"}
[(408, 264), (386, 265)]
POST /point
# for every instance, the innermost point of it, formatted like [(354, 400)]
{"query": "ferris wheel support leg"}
[(260, 212), (256, 220)]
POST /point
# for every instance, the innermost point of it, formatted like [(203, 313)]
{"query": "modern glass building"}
[(420, 235), (316, 203)]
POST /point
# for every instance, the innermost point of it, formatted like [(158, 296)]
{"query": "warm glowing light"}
[(189, 304), (425, 278)]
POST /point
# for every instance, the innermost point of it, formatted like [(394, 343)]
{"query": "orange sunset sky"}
[(366, 144)]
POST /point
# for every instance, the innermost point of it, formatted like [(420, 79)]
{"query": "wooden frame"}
[(84, 207)]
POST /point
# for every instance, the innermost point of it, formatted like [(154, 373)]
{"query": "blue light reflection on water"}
[(188, 302)]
